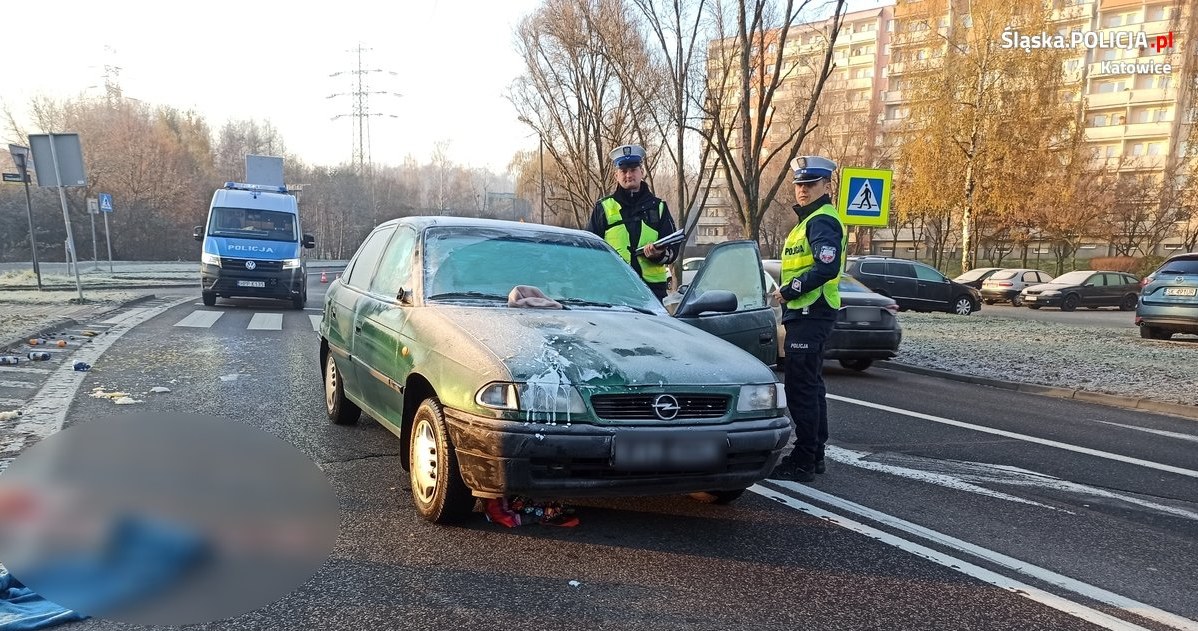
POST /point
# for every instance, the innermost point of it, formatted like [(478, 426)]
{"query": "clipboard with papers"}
[(670, 239)]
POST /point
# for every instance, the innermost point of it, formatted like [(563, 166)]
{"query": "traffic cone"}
[(324, 277)]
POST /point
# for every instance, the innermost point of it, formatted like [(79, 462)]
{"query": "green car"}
[(594, 390)]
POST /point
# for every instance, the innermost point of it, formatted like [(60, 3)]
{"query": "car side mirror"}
[(309, 241), (404, 296), (198, 233), (720, 300)]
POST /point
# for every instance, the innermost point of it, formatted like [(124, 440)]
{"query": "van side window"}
[(926, 273), (395, 270), (871, 267), (906, 270), (367, 258)]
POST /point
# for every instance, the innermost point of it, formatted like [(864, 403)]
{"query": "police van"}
[(253, 245)]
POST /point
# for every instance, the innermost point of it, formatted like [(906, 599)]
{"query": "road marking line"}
[(200, 319), (1031, 439), (315, 321), (1048, 576), (1088, 614), (1159, 432), (47, 412), (27, 370), (17, 384), (12, 403), (266, 322)]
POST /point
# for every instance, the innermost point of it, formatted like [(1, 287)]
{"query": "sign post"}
[(20, 157), (93, 209), (105, 208), (62, 155)]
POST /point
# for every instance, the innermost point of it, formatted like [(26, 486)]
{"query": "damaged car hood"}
[(606, 347)]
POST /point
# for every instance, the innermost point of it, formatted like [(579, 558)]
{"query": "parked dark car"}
[(976, 276), (866, 328), (1008, 284), (913, 285), (588, 387), (1084, 288), (1169, 299)]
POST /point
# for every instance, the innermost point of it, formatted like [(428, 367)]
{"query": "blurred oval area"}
[(165, 519)]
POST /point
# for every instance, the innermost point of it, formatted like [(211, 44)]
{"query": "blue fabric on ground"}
[(23, 610)]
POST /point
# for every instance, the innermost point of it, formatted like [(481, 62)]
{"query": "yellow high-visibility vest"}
[(617, 235), (797, 258)]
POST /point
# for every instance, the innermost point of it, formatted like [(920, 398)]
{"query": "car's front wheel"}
[(856, 364), (438, 491), (962, 305), (1016, 300), (718, 497), (1070, 302), (988, 301), (340, 410), (209, 298)]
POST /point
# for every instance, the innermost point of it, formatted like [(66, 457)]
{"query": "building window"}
[(1154, 148), (1156, 14), (1137, 149), (889, 26)]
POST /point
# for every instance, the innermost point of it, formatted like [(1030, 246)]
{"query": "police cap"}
[(627, 156), (812, 169)]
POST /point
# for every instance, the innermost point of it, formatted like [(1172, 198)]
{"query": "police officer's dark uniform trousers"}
[(812, 263), (629, 221)]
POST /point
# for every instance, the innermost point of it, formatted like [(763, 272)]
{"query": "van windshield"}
[(246, 223)]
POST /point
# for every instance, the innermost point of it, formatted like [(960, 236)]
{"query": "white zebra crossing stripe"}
[(11, 403), (17, 384), (315, 321), (27, 370), (266, 322), (200, 319)]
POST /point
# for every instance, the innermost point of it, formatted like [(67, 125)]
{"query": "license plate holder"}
[(669, 451), (1181, 291), (863, 314), (1030, 298), (259, 284)]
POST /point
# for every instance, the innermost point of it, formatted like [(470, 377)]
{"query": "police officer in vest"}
[(812, 262), (632, 218)]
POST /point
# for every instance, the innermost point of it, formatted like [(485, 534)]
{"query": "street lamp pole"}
[(542, 139)]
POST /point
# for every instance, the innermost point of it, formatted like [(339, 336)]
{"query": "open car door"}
[(732, 269)]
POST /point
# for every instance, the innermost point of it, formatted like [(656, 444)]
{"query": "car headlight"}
[(291, 263), (210, 259), (1051, 292), (759, 398), (534, 398)]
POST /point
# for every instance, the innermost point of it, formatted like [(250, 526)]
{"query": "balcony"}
[(1148, 130), (1150, 95), (893, 96), (862, 60), (1107, 99), (1106, 133)]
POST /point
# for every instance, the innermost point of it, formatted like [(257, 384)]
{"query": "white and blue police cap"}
[(812, 169), (628, 156)]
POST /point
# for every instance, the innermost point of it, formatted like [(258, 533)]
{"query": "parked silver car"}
[(1006, 285)]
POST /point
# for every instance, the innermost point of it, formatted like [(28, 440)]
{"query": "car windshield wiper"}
[(592, 303), (467, 294), (1173, 271)]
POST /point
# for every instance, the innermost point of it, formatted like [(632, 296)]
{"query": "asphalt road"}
[(1100, 317), (959, 507)]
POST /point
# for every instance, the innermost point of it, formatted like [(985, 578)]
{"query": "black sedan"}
[(866, 329), (1084, 288)]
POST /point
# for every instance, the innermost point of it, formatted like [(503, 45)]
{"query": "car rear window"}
[(1003, 275), (1180, 266)]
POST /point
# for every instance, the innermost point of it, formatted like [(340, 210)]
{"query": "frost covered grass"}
[(1096, 359), (91, 278)]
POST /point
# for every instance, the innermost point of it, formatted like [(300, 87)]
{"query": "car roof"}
[(420, 222)]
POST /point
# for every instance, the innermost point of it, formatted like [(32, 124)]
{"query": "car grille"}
[(627, 407), (601, 469), (260, 266)]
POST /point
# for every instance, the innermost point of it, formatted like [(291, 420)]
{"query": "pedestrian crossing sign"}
[(864, 198)]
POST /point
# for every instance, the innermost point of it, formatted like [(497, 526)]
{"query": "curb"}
[(99, 287), (57, 325), (1101, 398)]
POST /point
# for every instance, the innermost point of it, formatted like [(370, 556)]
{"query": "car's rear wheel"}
[(209, 298), (340, 410), (987, 301), (718, 497), (299, 301), (1016, 300), (1070, 302), (1033, 307), (1153, 333), (1128, 303), (963, 305), (856, 364), (438, 491)]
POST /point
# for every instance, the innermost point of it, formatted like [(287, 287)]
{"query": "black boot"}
[(819, 466), (788, 469)]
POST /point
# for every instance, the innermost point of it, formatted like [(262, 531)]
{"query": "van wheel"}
[(340, 410), (209, 298), (718, 497), (438, 491), (299, 301)]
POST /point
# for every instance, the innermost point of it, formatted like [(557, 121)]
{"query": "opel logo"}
[(666, 407), (250, 265)]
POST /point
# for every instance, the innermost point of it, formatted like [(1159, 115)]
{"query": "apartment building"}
[(1135, 122)]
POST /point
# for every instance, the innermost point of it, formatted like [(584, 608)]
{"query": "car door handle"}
[(766, 338)]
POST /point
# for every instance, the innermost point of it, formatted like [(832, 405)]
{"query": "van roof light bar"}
[(240, 186)]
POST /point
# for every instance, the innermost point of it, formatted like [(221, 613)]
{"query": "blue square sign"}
[(865, 197), (105, 202)]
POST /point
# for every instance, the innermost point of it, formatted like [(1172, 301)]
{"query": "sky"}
[(453, 61)]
